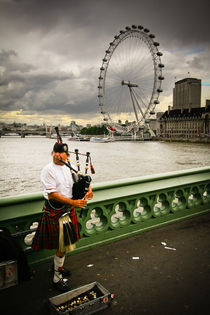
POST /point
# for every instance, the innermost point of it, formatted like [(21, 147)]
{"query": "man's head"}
[(60, 152)]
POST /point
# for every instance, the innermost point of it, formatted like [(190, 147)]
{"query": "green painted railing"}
[(119, 209)]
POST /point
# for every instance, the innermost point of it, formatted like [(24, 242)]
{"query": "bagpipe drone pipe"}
[(81, 181), (67, 235)]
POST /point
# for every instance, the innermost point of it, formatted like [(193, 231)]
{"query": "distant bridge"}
[(48, 132), (22, 133)]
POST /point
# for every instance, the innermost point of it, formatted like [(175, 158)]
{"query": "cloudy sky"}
[(51, 52)]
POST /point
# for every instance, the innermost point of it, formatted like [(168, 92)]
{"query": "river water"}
[(22, 159)]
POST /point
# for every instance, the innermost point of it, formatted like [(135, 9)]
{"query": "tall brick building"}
[(187, 93), (186, 119)]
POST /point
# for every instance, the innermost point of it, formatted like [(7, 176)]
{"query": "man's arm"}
[(74, 203)]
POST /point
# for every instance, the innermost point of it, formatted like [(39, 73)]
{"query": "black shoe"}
[(61, 286), (64, 272)]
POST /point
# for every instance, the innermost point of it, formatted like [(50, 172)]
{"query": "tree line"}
[(95, 130)]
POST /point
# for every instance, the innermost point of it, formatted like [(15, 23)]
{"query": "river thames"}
[(22, 159)]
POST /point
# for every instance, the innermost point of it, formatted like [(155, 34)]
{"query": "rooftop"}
[(189, 80), (186, 113)]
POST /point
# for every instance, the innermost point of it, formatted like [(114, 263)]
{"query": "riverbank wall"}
[(205, 140)]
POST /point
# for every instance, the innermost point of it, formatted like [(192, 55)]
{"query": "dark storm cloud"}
[(75, 33), (9, 60), (19, 78), (25, 87), (180, 20)]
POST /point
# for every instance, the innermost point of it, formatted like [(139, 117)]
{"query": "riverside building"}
[(186, 119)]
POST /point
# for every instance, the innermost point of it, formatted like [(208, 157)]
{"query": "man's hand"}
[(89, 194), (80, 203), (74, 203)]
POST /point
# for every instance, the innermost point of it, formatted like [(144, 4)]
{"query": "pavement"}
[(159, 272)]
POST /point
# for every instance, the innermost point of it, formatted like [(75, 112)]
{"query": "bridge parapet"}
[(119, 209)]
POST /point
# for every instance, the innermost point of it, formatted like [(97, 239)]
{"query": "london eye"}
[(130, 80)]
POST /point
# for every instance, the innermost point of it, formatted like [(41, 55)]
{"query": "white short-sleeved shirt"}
[(57, 178)]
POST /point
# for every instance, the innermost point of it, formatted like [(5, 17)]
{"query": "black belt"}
[(55, 205)]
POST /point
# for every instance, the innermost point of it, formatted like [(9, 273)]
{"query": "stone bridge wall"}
[(119, 209)]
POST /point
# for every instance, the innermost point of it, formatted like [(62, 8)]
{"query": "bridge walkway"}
[(161, 281)]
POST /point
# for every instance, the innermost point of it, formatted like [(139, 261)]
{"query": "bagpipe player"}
[(58, 227)]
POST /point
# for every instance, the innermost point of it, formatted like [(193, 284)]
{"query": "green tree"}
[(94, 130)]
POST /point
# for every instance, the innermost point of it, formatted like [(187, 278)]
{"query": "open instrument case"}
[(87, 299)]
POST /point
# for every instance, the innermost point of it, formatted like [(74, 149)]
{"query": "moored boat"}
[(100, 139)]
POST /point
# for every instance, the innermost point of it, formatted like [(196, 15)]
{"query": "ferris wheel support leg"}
[(152, 134), (134, 135)]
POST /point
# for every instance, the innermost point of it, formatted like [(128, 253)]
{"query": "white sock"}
[(58, 263)]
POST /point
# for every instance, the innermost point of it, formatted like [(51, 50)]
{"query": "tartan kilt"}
[(47, 233)]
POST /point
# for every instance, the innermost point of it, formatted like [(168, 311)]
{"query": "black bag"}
[(80, 188), (10, 249)]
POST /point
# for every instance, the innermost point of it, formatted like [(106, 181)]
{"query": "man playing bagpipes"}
[(58, 227)]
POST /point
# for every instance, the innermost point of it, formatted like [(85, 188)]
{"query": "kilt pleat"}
[(74, 221), (47, 233)]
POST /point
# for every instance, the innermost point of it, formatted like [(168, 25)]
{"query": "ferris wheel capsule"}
[(152, 36), (161, 77)]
